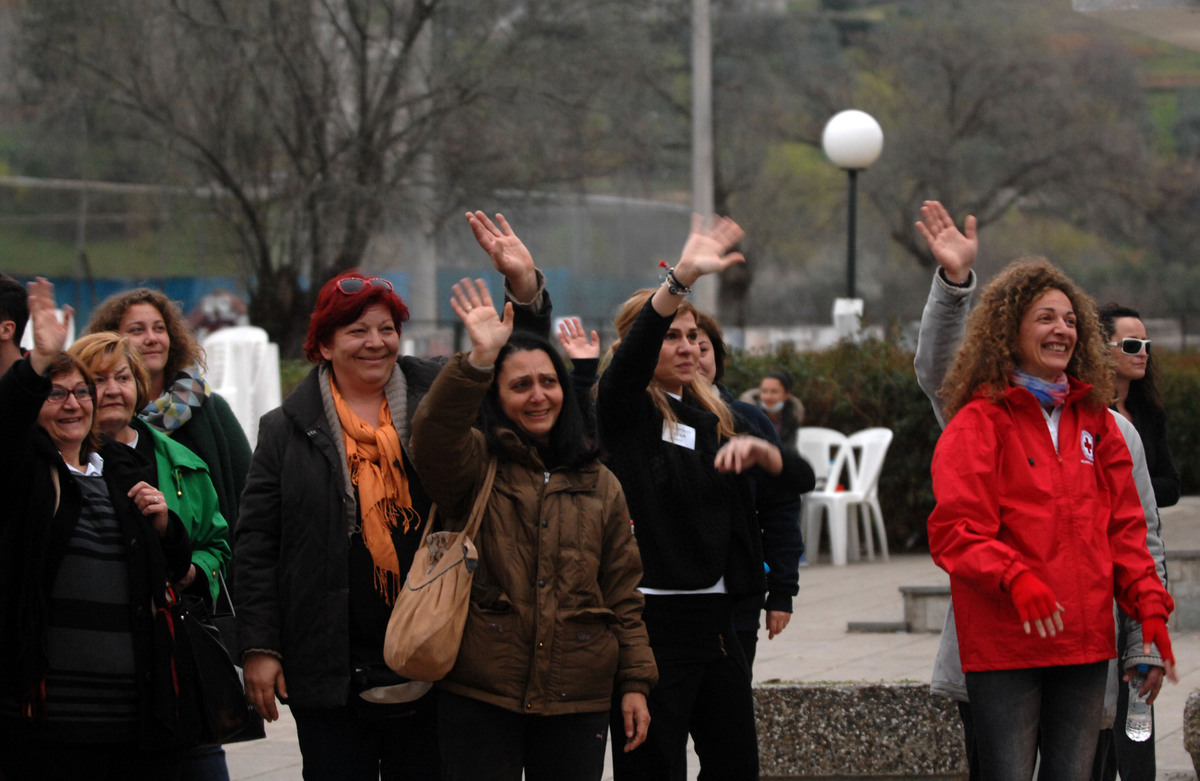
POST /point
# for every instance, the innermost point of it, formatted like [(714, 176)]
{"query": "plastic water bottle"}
[(1138, 725)]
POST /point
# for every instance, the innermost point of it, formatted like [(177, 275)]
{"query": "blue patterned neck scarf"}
[(174, 407), (1049, 393)]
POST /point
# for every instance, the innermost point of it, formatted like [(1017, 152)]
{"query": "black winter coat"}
[(33, 538)]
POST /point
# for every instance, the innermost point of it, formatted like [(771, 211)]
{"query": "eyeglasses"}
[(58, 394), (1131, 346), (351, 286)]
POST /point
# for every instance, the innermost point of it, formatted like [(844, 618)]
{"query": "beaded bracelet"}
[(674, 286)]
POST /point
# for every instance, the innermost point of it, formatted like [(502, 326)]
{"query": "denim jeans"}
[(482, 741), (1059, 708)]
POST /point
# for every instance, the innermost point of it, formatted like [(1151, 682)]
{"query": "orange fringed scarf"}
[(377, 470)]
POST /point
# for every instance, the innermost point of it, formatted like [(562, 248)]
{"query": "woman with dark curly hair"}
[(1038, 524)]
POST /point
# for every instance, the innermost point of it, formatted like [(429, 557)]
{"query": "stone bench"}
[(850, 731)]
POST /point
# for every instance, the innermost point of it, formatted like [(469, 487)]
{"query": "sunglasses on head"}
[(354, 285), (1131, 346)]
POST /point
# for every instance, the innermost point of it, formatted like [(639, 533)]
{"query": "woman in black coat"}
[(86, 542)]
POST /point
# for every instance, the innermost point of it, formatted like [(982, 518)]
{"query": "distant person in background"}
[(14, 313), (778, 512), (183, 406), (774, 397)]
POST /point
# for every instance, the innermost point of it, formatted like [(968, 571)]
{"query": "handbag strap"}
[(477, 509), (481, 500)]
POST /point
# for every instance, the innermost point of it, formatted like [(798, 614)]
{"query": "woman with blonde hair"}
[(180, 403), (1039, 524), (122, 388), (687, 473)]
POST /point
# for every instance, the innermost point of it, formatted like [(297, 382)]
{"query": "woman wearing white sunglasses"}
[(1139, 402), (1137, 395)]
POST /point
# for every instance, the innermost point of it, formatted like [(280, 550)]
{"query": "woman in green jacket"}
[(121, 390)]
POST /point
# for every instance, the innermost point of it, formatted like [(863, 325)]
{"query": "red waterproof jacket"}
[(1008, 503)]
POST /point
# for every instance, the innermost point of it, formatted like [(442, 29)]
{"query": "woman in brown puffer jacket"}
[(555, 620)]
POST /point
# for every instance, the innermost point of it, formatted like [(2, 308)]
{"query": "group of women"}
[(120, 482), (574, 622), (622, 528)]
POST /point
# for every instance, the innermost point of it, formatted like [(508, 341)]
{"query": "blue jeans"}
[(205, 763), (482, 741), (1059, 708)]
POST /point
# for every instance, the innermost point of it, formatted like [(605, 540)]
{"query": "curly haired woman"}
[(1038, 524)]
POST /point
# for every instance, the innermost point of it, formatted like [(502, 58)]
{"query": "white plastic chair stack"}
[(243, 366), (856, 465)]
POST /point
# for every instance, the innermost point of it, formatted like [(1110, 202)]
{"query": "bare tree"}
[(312, 122), (985, 108)]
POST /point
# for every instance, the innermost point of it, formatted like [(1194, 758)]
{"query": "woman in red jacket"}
[(1038, 524)]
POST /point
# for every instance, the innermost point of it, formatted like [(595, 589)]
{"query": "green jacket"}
[(184, 480)]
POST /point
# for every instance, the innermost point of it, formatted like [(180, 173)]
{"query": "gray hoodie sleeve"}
[(1131, 654), (943, 323)]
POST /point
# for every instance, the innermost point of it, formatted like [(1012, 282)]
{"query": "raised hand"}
[(509, 254), (473, 305), (954, 250), (575, 340), (49, 335), (708, 249)]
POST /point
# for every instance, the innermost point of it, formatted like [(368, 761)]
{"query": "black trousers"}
[(481, 741), (365, 741), (703, 690)]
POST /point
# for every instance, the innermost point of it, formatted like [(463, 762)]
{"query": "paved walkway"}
[(816, 647)]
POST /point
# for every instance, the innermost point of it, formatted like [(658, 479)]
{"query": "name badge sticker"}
[(679, 434)]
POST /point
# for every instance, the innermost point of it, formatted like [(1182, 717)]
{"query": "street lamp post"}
[(852, 140)]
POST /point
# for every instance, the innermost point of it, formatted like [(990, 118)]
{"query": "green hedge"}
[(872, 384), (853, 387)]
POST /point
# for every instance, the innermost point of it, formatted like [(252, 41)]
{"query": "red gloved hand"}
[(1154, 630), (1036, 602)]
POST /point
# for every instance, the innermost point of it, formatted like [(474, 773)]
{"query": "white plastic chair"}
[(819, 447), (870, 447), (243, 366), (856, 467)]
